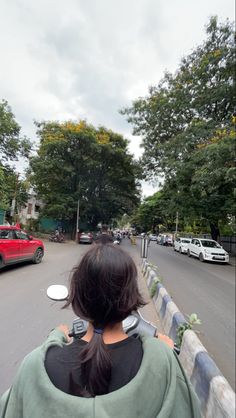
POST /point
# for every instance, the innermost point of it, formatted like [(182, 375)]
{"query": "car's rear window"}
[(186, 241)]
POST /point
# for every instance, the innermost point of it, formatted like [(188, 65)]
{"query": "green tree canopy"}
[(76, 161), (187, 128), (12, 188), (153, 214), (12, 146)]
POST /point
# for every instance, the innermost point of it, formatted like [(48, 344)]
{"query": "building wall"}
[(31, 210)]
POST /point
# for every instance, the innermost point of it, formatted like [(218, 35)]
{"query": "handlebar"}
[(134, 325)]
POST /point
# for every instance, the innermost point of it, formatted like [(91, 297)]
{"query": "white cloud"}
[(80, 59)]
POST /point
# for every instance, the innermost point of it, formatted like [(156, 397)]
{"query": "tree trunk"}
[(73, 228), (215, 232)]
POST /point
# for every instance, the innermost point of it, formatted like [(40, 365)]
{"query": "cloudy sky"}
[(87, 59)]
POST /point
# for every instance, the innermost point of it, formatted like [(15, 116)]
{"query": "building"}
[(31, 209)]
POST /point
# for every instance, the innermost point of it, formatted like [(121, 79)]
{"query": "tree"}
[(153, 214), (186, 126), (75, 162), (11, 145), (13, 189)]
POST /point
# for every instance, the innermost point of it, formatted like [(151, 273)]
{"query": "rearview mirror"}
[(57, 292)]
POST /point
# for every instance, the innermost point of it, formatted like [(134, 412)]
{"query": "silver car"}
[(153, 237), (86, 238)]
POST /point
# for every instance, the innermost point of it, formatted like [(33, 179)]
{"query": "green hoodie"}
[(160, 389)]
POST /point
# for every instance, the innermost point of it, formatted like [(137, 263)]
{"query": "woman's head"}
[(104, 291), (104, 287)]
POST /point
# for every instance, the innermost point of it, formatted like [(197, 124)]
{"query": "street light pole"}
[(176, 222), (144, 247), (77, 223)]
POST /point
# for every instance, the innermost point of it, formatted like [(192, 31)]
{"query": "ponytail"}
[(95, 368)]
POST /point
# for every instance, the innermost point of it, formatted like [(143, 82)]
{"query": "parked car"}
[(207, 249), (86, 238), (17, 246), (169, 240), (181, 244), (153, 237)]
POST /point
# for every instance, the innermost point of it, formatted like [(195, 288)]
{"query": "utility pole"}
[(144, 247), (77, 224), (176, 222)]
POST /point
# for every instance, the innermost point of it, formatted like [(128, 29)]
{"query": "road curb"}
[(216, 396)]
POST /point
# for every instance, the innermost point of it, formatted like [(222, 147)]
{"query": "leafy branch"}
[(192, 321)]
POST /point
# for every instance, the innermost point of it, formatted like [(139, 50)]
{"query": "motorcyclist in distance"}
[(106, 373), (104, 237)]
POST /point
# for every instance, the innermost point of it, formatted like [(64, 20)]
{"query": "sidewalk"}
[(148, 311)]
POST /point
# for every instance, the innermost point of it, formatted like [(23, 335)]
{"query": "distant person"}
[(57, 232), (104, 237)]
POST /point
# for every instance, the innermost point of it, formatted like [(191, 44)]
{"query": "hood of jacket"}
[(159, 389)]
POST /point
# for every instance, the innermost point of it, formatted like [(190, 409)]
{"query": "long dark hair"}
[(103, 290)]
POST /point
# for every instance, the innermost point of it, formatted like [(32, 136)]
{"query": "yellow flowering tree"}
[(76, 161)]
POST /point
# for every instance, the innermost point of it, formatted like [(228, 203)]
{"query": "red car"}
[(17, 246)]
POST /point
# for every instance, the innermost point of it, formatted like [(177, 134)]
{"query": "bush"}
[(192, 320), (33, 225)]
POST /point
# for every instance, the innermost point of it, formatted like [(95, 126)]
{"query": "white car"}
[(169, 240), (207, 249), (153, 237), (181, 244)]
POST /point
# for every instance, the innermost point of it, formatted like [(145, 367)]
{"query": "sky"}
[(87, 59)]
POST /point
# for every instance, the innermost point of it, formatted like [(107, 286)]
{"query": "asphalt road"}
[(27, 315), (207, 289)]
